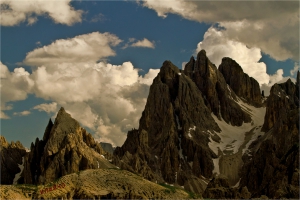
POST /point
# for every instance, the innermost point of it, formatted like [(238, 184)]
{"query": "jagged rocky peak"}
[(283, 97), (171, 144), (66, 148), (218, 96), (11, 156), (64, 124), (274, 168), (243, 85)]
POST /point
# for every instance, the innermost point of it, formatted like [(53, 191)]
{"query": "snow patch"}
[(232, 137), (237, 184), (189, 133), (103, 156), (178, 123), (180, 149), (98, 164), (18, 175), (179, 74), (216, 166), (287, 97), (256, 133), (228, 88)]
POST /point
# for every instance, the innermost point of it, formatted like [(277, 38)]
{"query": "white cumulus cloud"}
[(47, 107), (106, 98), (87, 47), (217, 45), (295, 69), (143, 43), (14, 86), (13, 12), (23, 113), (272, 27)]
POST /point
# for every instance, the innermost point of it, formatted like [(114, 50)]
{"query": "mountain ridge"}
[(208, 130)]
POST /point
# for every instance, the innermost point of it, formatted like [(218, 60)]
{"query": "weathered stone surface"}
[(11, 157), (95, 184), (218, 188), (275, 156), (173, 133), (107, 147), (243, 85), (66, 148), (218, 97)]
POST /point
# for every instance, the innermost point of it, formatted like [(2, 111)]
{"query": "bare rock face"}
[(171, 144), (107, 147), (243, 85), (218, 96), (218, 188), (11, 156), (274, 166), (66, 148)]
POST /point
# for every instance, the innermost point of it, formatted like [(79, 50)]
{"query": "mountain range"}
[(206, 131)]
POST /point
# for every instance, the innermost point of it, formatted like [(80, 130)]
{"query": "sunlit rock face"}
[(11, 156), (204, 122), (66, 148), (179, 133)]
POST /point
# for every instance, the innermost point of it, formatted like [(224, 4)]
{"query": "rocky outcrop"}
[(218, 96), (243, 85), (66, 148), (273, 169), (95, 184), (171, 144), (218, 188), (107, 147), (11, 156)]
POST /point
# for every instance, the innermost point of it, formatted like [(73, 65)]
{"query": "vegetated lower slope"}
[(200, 122), (95, 184)]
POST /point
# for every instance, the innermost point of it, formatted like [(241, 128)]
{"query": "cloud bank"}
[(271, 26), (144, 43), (218, 45), (83, 48), (14, 12), (106, 98)]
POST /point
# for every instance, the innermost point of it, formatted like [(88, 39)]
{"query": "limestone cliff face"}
[(11, 157), (273, 168), (219, 97), (219, 188), (243, 85), (66, 148), (171, 143)]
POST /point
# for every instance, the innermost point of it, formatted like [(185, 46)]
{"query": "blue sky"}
[(49, 61)]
